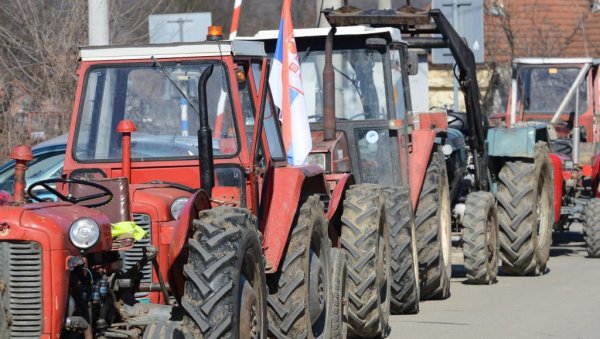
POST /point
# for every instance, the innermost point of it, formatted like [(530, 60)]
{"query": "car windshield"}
[(359, 84), (166, 123), (542, 89), (44, 166)]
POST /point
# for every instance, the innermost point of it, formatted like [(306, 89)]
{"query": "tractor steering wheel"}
[(105, 192)]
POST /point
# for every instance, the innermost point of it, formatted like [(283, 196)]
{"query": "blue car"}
[(47, 163)]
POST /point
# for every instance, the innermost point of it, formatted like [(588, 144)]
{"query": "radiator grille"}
[(21, 288), (135, 254)]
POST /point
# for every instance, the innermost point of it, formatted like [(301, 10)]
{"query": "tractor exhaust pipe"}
[(126, 127), (205, 156), (21, 155), (329, 89)]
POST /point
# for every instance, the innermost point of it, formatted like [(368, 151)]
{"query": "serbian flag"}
[(286, 86)]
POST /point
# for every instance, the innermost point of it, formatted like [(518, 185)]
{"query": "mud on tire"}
[(592, 228), (365, 239), (298, 292), (432, 220), (480, 238), (526, 214), (405, 292), (225, 289)]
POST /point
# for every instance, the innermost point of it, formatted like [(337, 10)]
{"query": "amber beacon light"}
[(214, 33)]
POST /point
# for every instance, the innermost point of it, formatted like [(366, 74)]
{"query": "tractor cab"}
[(371, 101)]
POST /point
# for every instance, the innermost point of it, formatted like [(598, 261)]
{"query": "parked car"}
[(47, 163), (48, 157)]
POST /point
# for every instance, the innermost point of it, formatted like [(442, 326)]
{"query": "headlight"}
[(447, 149), (177, 206), (84, 233), (318, 159)]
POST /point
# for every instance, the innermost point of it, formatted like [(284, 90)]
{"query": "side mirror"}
[(378, 44), (412, 63)]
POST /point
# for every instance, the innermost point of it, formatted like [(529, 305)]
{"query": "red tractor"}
[(356, 84), (254, 231), (553, 108)]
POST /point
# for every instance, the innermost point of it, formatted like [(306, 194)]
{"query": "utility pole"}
[(98, 32), (181, 22)]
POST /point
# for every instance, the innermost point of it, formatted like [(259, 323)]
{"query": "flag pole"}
[(235, 19)]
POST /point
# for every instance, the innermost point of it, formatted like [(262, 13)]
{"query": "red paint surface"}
[(422, 145), (558, 184)]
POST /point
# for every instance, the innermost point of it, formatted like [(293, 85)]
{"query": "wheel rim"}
[(490, 238), (382, 270), (415, 255), (251, 312), (317, 288), (445, 226)]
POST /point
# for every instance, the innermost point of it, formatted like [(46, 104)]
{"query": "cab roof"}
[(555, 61), (393, 33), (177, 50)]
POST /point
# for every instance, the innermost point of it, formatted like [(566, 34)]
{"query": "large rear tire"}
[(433, 221), (225, 289), (403, 251), (298, 293), (480, 238), (365, 239), (592, 228), (526, 214)]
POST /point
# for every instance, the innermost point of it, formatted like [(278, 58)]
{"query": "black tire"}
[(4, 326), (403, 252), (338, 325), (298, 292), (480, 238), (225, 289), (592, 228), (433, 222), (365, 239), (526, 214)]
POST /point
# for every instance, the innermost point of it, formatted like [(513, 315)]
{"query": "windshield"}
[(542, 89), (359, 84), (166, 123), (44, 166)]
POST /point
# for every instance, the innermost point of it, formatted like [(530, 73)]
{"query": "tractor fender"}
[(290, 185), (421, 149), (199, 201), (595, 170), (558, 184), (336, 207)]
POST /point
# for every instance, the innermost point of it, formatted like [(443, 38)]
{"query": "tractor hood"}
[(49, 223)]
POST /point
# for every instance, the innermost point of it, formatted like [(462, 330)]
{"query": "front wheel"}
[(365, 239), (480, 238), (298, 293), (225, 290), (434, 240), (525, 214), (592, 228)]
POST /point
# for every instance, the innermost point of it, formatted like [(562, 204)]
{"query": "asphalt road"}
[(563, 303)]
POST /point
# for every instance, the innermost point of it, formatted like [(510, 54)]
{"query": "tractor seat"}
[(118, 208), (562, 146)]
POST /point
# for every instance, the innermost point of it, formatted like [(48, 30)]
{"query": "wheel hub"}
[(249, 317)]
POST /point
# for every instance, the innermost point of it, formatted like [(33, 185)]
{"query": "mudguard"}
[(422, 146), (198, 201), (288, 187), (336, 206), (558, 184), (514, 142), (595, 179)]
